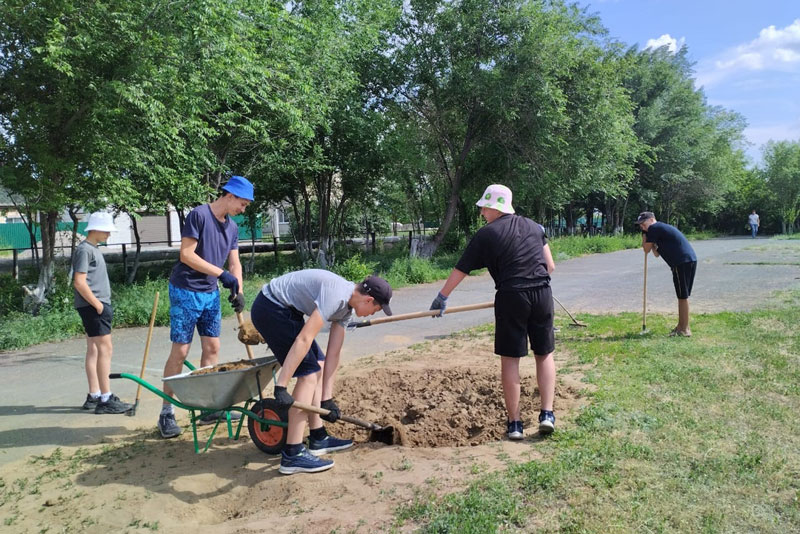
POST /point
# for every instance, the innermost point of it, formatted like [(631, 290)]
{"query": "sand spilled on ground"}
[(443, 396)]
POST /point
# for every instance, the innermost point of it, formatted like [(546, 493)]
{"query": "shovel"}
[(381, 434), (426, 313), (132, 411)]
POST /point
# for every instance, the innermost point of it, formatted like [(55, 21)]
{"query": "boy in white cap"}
[(516, 252), (209, 240), (93, 303)]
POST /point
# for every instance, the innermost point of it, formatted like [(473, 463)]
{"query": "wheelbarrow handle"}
[(349, 419), (426, 313)]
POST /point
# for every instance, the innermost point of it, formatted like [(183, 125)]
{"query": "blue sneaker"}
[(515, 430), (547, 422), (303, 463), (318, 447)]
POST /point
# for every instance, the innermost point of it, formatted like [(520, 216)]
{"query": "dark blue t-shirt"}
[(215, 240), (512, 247), (672, 244)]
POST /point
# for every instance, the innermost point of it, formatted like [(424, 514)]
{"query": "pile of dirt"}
[(223, 367), (442, 406)]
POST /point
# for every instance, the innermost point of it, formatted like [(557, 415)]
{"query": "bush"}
[(10, 295), (355, 268), (405, 271)]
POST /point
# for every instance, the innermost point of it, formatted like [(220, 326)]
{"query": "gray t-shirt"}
[(313, 289), (88, 259)]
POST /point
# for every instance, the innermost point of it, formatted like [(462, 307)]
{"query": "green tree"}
[(782, 176)]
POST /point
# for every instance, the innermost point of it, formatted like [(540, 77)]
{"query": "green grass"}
[(680, 435)]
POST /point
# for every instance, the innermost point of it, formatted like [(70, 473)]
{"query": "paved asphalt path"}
[(42, 387)]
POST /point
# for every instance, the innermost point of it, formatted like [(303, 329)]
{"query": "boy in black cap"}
[(277, 313), (668, 242)]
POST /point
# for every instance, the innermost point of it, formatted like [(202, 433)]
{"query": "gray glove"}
[(439, 303), (282, 397), (331, 406)]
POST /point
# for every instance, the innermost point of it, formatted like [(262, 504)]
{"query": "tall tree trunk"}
[(131, 275)]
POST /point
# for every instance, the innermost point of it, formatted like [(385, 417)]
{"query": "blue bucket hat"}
[(239, 186)]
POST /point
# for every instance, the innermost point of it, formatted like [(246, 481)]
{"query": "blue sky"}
[(746, 54)]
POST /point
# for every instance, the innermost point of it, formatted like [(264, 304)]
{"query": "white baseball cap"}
[(496, 197), (101, 221)]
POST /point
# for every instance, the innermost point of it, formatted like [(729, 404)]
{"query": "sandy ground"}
[(443, 397)]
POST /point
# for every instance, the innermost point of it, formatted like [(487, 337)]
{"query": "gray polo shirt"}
[(88, 259), (313, 289)]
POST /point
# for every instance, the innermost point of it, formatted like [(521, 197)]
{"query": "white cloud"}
[(672, 44), (775, 49)]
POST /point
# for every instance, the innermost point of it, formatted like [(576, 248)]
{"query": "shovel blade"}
[(382, 435)]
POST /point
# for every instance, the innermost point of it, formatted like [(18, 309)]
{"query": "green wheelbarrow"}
[(224, 390)]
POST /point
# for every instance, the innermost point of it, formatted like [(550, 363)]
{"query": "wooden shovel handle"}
[(346, 418), (426, 313), (147, 344)]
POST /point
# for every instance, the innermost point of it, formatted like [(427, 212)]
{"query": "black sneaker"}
[(90, 403), (547, 422), (213, 417), (168, 426), (112, 406), (515, 431)]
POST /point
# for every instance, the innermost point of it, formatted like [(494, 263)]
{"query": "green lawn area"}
[(696, 434)]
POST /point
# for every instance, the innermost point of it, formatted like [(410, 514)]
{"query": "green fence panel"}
[(244, 230), (15, 235)]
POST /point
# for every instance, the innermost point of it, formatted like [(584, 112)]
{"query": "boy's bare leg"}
[(104, 349), (509, 377), (546, 380), (303, 392), (91, 365), (210, 354), (174, 364), (683, 316)]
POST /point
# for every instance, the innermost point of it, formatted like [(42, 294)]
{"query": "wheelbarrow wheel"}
[(269, 438)]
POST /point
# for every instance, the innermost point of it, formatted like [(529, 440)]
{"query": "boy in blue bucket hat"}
[(209, 239)]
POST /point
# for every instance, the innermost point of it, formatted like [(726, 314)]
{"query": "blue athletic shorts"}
[(280, 326), (190, 309)]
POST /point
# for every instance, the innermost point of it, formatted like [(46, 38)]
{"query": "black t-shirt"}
[(512, 247), (672, 244)]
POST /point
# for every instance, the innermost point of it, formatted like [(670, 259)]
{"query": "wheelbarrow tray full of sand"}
[(225, 387)]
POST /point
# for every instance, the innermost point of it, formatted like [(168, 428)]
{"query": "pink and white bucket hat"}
[(496, 197)]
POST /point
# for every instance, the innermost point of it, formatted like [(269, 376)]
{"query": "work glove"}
[(439, 303), (229, 282), (333, 408), (282, 397), (237, 301)]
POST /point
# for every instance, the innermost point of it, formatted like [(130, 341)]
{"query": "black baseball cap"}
[(379, 289), (644, 216)]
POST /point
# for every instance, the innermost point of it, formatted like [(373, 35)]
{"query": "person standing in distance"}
[(754, 221), (93, 304), (668, 242), (209, 239), (516, 252)]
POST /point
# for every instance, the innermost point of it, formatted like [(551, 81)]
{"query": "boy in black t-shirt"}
[(515, 251), (668, 242)]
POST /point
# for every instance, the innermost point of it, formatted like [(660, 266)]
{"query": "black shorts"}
[(280, 326), (683, 278), (521, 316), (94, 324)]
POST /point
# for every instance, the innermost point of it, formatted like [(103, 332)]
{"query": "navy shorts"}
[(522, 316), (190, 309), (683, 278), (280, 326), (94, 324)]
